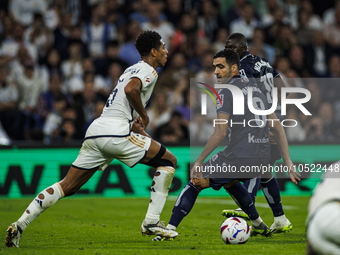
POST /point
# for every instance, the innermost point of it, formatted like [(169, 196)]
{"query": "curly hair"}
[(231, 57), (146, 41)]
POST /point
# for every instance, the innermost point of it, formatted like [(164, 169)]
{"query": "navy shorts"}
[(232, 168)]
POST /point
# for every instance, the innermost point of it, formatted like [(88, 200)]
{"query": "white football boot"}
[(157, 229), (13, 235)]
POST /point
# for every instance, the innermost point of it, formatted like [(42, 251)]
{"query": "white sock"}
[(159, 192), (172, 227), (280, 219), (256, 222), (44, 200)]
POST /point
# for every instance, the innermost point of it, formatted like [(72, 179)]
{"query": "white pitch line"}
[(231, 202)]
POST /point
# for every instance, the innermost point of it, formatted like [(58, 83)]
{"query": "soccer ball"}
[(235, 230)]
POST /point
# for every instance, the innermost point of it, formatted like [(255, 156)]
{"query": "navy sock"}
[(242, 199), (184, 204), (271, 191), (252, 186)]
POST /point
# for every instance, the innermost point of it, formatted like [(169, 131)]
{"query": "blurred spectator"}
[(268, 18), (334, 67), (298, 62), (115, 14), (47, 98), (174, 11), (316, 97), (115, 71), (208, 71), (221, 38), (176, 70), (23, 10), (209, 21), (7, 28), (62, 35), (291, 9), (195, 64), (98, 31), (159, 112), (282, 66), (313, 21), (332, 31), (10, 46), (326, 113), (285, 40), (9, 115), (246, 23), (318, 54), (54, 119), (184, 108), (155, 23), (329, 15), (234, 12), (52, 65), (272, 31), (314, 130), (304, 34), (141, 13), (72, 66), (262, 49), (39, 35), (297, 133), (173, 131), (30, 85), (53, 14), (128, 51), (76, 83)]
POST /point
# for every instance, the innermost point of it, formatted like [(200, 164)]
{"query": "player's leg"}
[(165, 163), (252, 186), (243, 199), (74, 179)]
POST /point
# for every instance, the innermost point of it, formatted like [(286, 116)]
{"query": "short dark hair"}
[(238, 37), (146, 41), (231, 57)]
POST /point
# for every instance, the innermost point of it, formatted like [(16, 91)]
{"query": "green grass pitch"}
[(99, 226)]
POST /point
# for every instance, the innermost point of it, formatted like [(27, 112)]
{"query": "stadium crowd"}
[(59, 61)]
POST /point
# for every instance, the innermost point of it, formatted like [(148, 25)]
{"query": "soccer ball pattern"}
[(235, 230)]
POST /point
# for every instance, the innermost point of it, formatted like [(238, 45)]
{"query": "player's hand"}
[(293, 175), (272, 139), (144, 122), (196, 172)]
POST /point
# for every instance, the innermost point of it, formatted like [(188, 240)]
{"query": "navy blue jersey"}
[(246, 141), (262, 71)]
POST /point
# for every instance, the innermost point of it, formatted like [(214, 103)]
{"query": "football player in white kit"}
[(323, 230), (118, 134)]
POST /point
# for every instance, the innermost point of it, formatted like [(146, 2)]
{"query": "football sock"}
[(184, 204), (252, 186), (159, 192), (280, 219), (257, 222), (271, 191), (242, 199), (44, 200)]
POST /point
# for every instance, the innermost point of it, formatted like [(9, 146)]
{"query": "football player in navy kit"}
[(267, 78), (248, 146)]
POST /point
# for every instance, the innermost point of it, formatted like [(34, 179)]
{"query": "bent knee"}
[(173, 160)]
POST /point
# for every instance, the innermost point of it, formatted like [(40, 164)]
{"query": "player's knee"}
[(173, 159), (69, 190)]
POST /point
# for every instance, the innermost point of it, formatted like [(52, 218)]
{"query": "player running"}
[(118, 133), (241, 150), (266, 77)]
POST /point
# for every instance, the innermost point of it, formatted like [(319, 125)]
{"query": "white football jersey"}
[(118, 115), (327, 190)]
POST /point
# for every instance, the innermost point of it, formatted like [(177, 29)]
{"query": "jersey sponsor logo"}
[(147, 79), (252, 139)]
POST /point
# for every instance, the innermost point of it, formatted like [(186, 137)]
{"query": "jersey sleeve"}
[(246, 72), (275, 73), (227, 102), (146, 77)]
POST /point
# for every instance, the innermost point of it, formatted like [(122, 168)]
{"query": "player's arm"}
[(219, 134), (279, 83), (132, 92), (282, 142)]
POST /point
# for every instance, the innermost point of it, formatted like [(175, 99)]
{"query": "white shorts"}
[(323, 233), (100, 151)]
